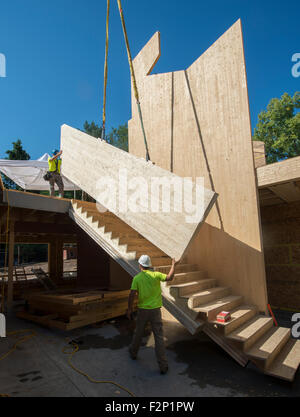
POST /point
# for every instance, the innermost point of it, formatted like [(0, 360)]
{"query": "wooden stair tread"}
[(286, 364), (266, 345), (236, 314), (179, 274), (249, 329), (216, 304), (180, 269), (179, 265), (186, 284), (209, 291)]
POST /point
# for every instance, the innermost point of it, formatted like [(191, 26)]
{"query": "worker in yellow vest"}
[(54, 171), (146, 285)]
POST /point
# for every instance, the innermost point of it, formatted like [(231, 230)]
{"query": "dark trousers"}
[(56, 179), (154, 317)]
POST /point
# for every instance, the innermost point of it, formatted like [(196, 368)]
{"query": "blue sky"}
[(55, 53)]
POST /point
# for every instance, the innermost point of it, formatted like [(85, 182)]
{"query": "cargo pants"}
[(154, 317), (56, 179)]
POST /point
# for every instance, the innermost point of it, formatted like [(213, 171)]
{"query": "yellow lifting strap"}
[(135, 89), (105, 70), (136, 93)]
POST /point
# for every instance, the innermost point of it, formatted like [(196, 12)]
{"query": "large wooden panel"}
[(99, 168), (197, 124)]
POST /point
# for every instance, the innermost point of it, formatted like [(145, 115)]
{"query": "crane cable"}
[(135, 89), (105, 71)]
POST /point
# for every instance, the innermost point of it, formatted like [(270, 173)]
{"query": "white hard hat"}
[(145, 261)]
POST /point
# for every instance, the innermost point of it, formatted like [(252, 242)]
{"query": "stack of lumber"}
[(68, 310)]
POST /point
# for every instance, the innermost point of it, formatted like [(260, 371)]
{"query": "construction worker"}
[(54, 170), (147, 286)]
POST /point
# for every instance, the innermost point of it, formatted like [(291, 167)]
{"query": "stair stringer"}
[(233, 351)]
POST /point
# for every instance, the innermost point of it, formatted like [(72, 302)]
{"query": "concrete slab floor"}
[(197, 366)]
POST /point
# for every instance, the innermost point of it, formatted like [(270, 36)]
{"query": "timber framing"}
[(279, 172), (279, 182)]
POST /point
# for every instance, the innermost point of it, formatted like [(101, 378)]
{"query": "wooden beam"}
[(55, 259), (3, 212), (1, 183), (279, 172), (10, 266), (268, 198), (1, 189), (36, 201), (52, 260), (38, 239), (59, 259), (26, 215), (288, 192), (46, 228)]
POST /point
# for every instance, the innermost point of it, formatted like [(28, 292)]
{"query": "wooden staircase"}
[(248, 336), (195, 299), (125, 245)]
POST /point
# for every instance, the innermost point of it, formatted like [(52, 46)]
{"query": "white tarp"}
[(29, 174)]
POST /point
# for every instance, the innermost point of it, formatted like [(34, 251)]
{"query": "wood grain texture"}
[(259, 153), (88, 160), (197, 124), (279, 172)]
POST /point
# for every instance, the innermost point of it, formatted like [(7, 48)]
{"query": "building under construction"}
[(240, 256)]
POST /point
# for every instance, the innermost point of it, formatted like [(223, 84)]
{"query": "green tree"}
[(17, 153), (279, 128), (93, 129), (117, 137)]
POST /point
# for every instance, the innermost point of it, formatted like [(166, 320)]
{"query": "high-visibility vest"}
[(54, 166)]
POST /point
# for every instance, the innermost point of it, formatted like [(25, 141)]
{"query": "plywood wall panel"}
[(209, 135)]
